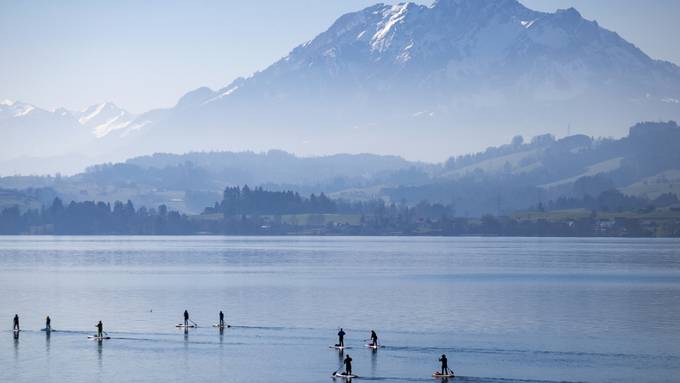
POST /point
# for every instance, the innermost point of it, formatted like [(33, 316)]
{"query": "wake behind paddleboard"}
[(94, 337), (440, 375), (344, 376), (186, 326)]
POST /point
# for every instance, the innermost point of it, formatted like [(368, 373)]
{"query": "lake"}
[(501, 309)]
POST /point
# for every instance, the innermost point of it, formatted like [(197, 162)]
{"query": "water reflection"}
[(47, 341), (374, 360), (100, 358), (16, 345), (186, 348)]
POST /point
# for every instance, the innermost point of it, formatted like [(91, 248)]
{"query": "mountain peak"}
[(476, 6), (104, 118), (474, 3), (569, 12)]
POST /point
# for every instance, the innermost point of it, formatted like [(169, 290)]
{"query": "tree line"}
[(246, 211)]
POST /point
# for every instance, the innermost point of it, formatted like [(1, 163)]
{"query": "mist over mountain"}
[(426, 82), (498, 180), (103, 119), (423, 82), (38, 141)]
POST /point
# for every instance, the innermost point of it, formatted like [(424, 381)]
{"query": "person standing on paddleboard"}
[(221, 319), (445, 364), (186, 318), (374, 339), (15, 326), (100, 329), (341, 338), (48, 324), (348, 365)]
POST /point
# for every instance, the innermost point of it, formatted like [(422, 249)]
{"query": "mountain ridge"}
[(346, 63), (421, 81)]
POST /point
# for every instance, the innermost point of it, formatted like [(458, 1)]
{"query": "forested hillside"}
[(500, 180)]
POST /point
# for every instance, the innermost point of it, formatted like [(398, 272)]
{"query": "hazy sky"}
[(147, 54)]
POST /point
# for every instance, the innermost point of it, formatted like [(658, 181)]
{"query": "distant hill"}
[(192, 181), (501, 179)]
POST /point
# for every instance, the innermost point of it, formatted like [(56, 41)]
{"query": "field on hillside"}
[(669, 213)]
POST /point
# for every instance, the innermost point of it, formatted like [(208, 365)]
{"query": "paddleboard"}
[(93, 337), (375, 347), (440, 375), (15, 330), (185, 326), (225, 326), (47, 330), (335, 346), (344, 376)]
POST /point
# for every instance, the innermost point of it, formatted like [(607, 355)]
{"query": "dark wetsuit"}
[(186, 318), (48, 323), (100, 329), (16, 322), (221, 319), (374, 338), (348, 365), (445, 365), (341, 338)]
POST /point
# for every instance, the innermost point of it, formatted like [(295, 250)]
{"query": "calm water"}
[(503, 310)]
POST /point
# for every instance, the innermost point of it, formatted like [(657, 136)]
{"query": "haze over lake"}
[(503, 310), (492, 183)]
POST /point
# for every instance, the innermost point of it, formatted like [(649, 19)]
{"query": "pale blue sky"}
[(147, 54)]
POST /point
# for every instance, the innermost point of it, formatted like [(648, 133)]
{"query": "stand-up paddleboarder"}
[(341, 338)]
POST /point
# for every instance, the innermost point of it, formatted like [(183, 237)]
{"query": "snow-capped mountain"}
[(453, 76), (420, 81), (104, 118), (27, 130), (9, 109), (30, 131)]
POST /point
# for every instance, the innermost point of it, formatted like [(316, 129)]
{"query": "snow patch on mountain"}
[(104, 118), (90, 113), (15, 109), (224, 93), (391, 17)]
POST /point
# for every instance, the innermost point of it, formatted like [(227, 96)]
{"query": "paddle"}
[(194, 322)]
